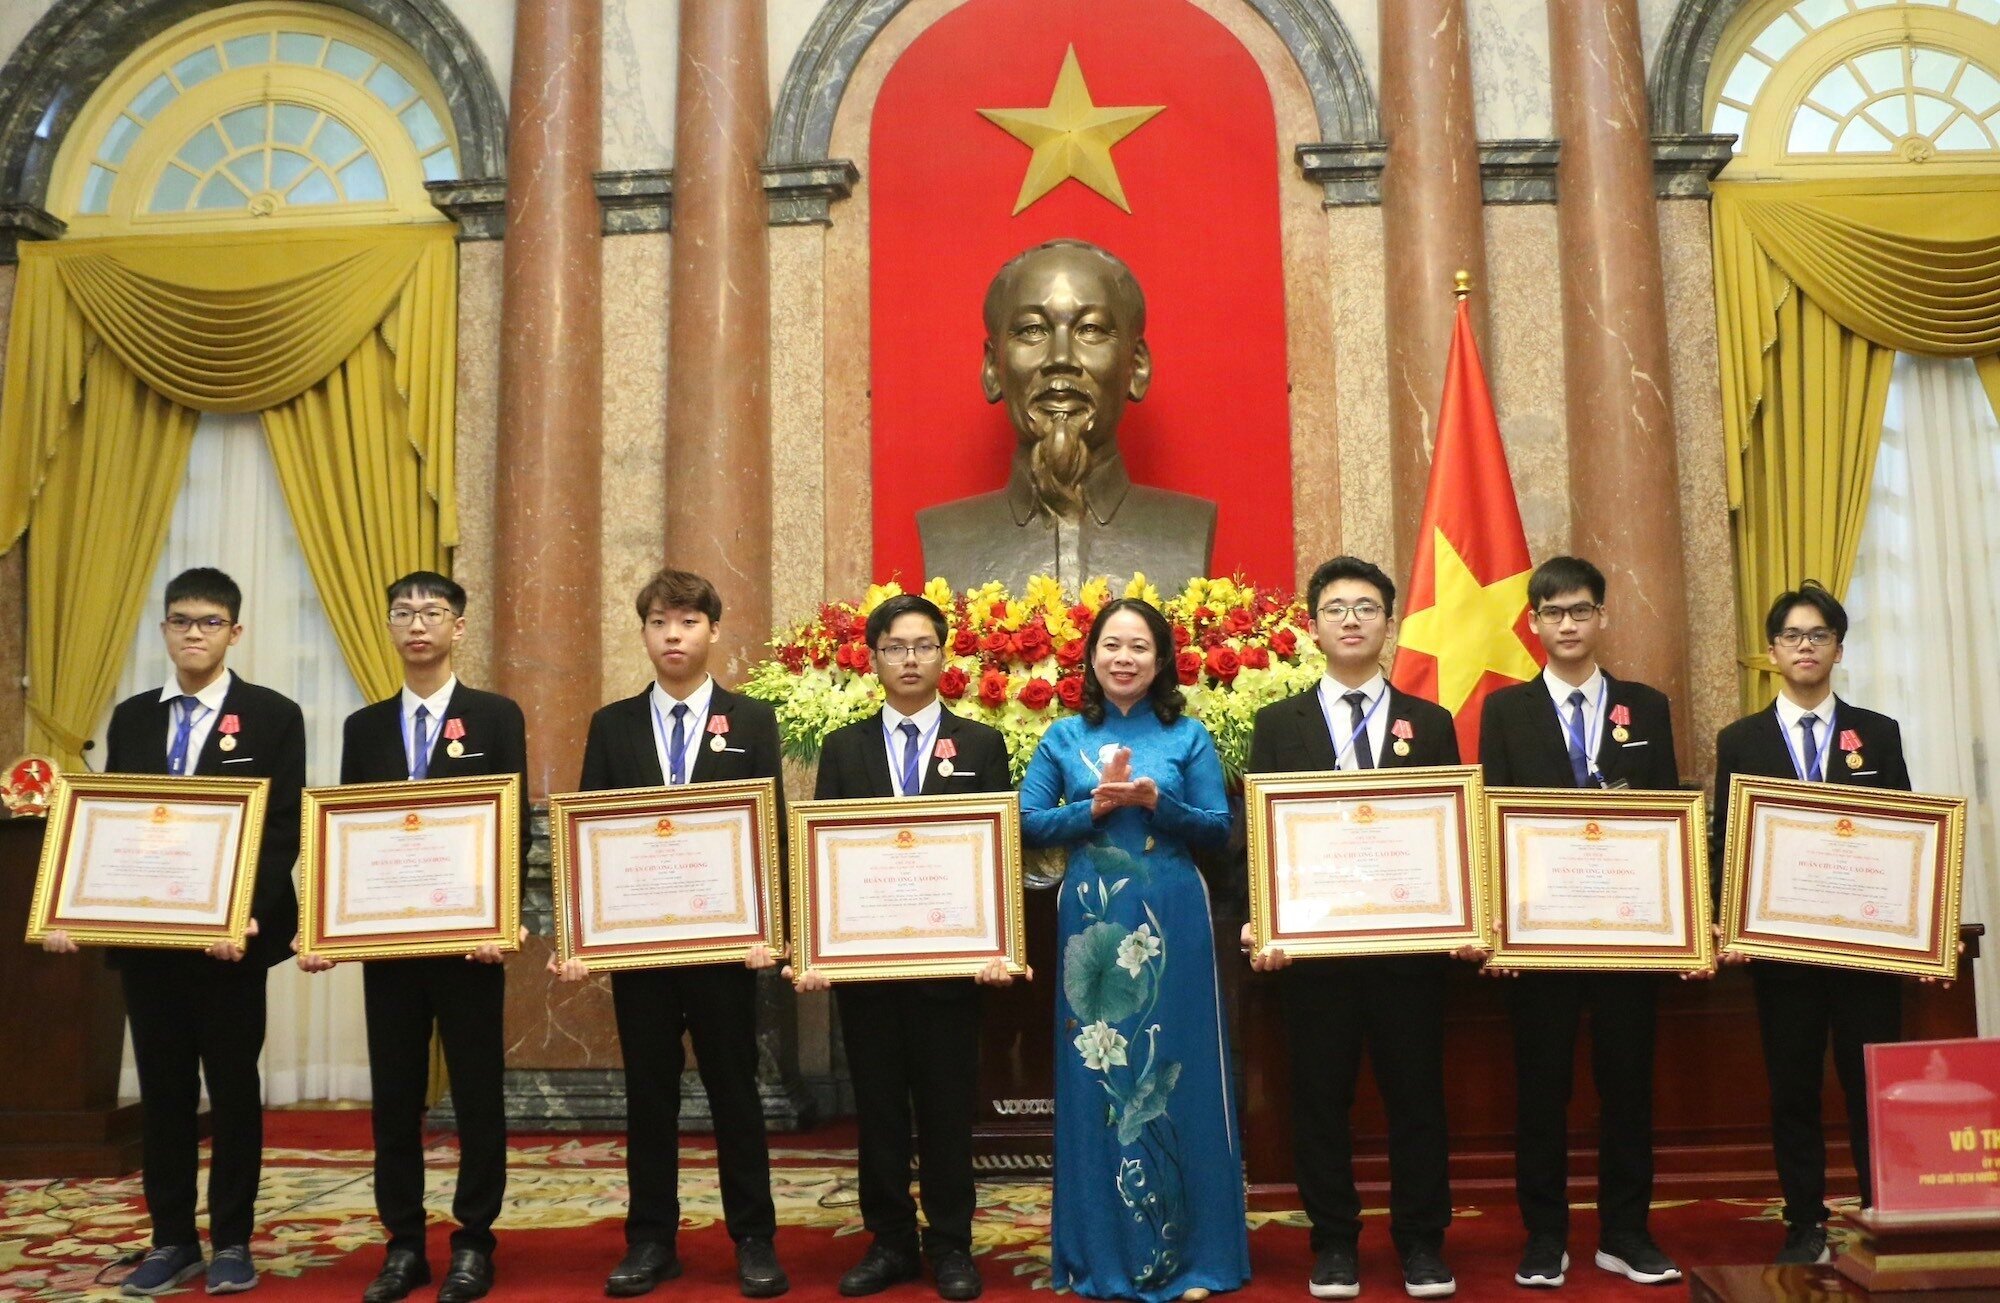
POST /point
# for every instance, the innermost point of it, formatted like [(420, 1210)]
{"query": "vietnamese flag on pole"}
[(1465, 627)]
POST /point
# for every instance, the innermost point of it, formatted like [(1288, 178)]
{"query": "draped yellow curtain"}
[(1819, 284), (345, 340)]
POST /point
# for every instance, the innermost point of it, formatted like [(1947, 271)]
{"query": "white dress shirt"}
[(208, 703), (1592, 689), (1789, 715), (926, 721), (1340, 719), (434, 708), (662, 706)]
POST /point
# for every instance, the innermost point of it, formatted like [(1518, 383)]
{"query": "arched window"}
[(281, 113), (1829, 86)]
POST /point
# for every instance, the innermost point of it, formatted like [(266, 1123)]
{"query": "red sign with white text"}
[(1934, 1125)]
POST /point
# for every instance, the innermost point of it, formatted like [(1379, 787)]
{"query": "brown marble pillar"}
[(1432, 228), (546, 562), (718, 341), (1624, 475)]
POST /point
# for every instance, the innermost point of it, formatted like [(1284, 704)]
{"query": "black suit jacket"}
[(270, 744), (854, 763), (495, 740), (1755, 745), (1292, 736), (1523, 742)]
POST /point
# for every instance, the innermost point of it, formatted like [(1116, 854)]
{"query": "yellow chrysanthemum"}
[(878, 594), (1095, 594), (938, 592), (1142, 590)]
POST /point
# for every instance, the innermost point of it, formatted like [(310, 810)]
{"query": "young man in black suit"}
[(913, 1045), (436, 727), (1353, 719), (196, 1014), (1810, 734), (1574, 725), (687, 728)]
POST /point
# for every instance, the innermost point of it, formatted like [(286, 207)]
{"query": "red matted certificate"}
[(397, 870), (1366, 862), (1851, 877), (925, 886), (149, 860), (657, 876), (1599, 880)]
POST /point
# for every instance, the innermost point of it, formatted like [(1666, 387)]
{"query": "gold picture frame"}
[(1425, 908), (1655, 839), (482, 815), (150, 812), (622, 814), (1782, 816), (889, 832)]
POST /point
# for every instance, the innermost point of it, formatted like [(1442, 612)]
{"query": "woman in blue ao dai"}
[(1148, 1167)]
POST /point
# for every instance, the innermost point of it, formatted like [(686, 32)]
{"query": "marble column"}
[(546, 599), (1624, 510), (1432, 228), (718, 342)]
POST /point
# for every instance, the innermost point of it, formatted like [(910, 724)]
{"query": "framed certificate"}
[(149, 860), (1602, 880), (1851, 877), (400, 870), (1366, 862), (924, 886), (658, 876)]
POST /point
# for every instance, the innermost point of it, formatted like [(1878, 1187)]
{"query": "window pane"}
[(118, 139), (1812, 132), (1818, 13), (249, 171), (247, 50), (151, 100), (172, 193), (441, 166), (1861, 137), (97, 189), (348, 61), (1729, 122), (1838, 92), (1978, 90), (387, 85), (422, 124), (1777, 40), (362, 181), (204, 151), (1881, 69), (287, 167), (245, 127), (335, 144), (315, 189), (1746, 79), (299, 47), (1931, 113), (1964, 133), (198, 67), (1989, 10), (292, 124), (1933, 69), (220, 192)]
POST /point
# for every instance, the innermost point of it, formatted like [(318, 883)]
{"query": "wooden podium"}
[(62, 1026)]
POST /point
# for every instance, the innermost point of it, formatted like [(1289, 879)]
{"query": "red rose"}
[(1223, 663), (794, 658), (1238, 622), (819, 658), (995, 643), (965, 641), (1181, 635), (993, 688), (1034, 642), (1070, 654), (1284, 642), (997, 611), (1069, 691), (1188, 665), (1037, 693), (1255, 658), (952, 683), (1203, 613), (1081, 616)]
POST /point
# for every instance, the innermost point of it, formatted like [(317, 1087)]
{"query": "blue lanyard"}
[(1796, 752), (923, 748), (1362, 727), (1592, 741)]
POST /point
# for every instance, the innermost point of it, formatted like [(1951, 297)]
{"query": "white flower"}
[(1107, 753), (1101, 1046), (1137, 948)]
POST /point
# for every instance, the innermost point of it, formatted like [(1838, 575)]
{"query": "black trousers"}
[(913, 1053), (466, 1002), (1395, 1007), (1547, 1011), (1799, 1006), (195, 1017), (715, 1005)]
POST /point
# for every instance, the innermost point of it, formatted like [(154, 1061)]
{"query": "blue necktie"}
[(677, 746), (1364, 754), (177, 754), (912, 785), (1806, 726), (1579, 759), (420, 759)]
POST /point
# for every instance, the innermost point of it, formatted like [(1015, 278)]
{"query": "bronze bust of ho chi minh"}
[(1066, 350)]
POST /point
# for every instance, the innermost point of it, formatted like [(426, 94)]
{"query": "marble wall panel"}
[(551, 1024), (1361, 396), (16, 17), (1689, 280), (798, 406), (13, 594), (786, 23), (1363, 20), (1509, 40), (636, 271), (640, 68), (1525, 366), (1654, 15), (490, 23), (479, 315)]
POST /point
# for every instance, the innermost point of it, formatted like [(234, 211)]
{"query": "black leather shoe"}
[(957, 1276), (879, 1268), (402, 1271), (758, 1274), (643, 1267), (471, 1275)]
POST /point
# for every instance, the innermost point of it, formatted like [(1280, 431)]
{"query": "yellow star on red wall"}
[(1072, 137)]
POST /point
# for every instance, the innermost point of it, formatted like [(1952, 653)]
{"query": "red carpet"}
[(561, 1230)]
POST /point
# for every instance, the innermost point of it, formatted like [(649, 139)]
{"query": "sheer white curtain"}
[(1925, 601), (231, 514)]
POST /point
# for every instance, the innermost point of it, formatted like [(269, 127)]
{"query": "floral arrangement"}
[(1015, 661)]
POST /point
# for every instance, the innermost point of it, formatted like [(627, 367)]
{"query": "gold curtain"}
[(1818, 285), (344, 339)]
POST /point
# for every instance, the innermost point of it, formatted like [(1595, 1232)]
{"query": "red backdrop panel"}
[(1202, 236)]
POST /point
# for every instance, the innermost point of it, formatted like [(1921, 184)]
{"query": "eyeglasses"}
[(923, 653), (1791, 638), (205, 623), (1366, 612), (1581, 612), (401, 617)]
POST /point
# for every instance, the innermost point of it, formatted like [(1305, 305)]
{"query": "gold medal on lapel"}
[(944, 769), (455, 749), (227, 743), (1401, 748), (717, 744), (1854, 760), (1621, 734)]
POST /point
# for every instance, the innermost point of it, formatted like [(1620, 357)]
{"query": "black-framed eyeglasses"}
[(205, 623), (401, 617), (1365, 612), (1791, 638), (1580, 612), (895, 653)]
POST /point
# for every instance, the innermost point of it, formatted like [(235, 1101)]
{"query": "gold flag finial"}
[(1461, 285)]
